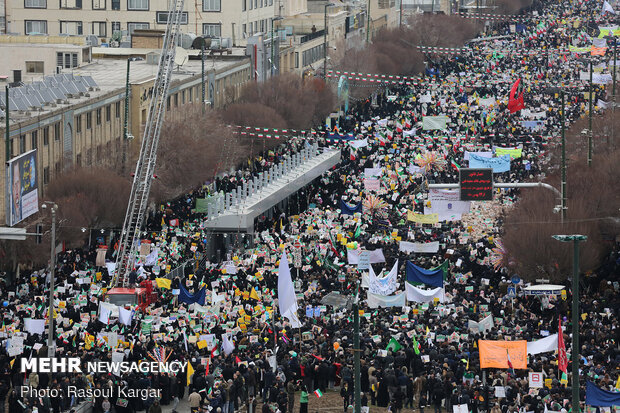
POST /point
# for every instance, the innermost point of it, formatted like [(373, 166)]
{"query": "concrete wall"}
[(14, 57)]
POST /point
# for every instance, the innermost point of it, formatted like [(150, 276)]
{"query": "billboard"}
[(23, 195)]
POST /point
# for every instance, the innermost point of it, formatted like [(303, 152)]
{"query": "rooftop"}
[(109, 75)]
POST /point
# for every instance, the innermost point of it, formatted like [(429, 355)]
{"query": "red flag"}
[(237, 359), (515, 104), (562, 360)]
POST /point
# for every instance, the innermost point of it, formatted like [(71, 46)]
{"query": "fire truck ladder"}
[(145, 167)]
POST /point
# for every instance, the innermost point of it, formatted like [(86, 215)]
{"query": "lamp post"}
[(51, 347), (575, 239), (368, 21), (590, 119), (563, 165), (325, 40), (357, 387), (273, 44)]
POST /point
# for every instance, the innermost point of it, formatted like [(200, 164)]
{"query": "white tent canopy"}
[(543, 289)]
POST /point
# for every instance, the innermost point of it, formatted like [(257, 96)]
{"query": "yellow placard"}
[(422, 218), (202, 344)]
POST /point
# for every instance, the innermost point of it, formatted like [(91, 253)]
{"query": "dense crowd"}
[(413, 356)]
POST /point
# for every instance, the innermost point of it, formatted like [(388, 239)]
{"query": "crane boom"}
[(145, 167)]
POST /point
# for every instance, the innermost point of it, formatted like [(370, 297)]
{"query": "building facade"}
[(87, 130), (237, 20)]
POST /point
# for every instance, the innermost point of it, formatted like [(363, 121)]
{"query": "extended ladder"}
[(145, 167)]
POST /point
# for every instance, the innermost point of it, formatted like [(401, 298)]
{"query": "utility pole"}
[(202, 58), (368, 21), (7, 135), (563, 187), (51, 347), (575, 358), (325, 40), (590, 119), (126, 121), (400, 15), (357, 388)]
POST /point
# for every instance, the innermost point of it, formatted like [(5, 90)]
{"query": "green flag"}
[(393, 345), (358, 231), (416, 345)]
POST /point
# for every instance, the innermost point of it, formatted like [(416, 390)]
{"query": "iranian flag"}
[(318, 393), (455, 165), (399, 128)]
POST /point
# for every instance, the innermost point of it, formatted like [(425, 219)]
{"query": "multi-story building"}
[(85, 127), (237, 20)]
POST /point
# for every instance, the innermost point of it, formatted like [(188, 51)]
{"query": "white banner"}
[(419, 247), (376, 256), (383, 285), (396, 300), (549, 343), (360, 143), (435, 122), (482, 154), (481, 326), (420, 295), (370, 172), (34, 326), (372, 184)]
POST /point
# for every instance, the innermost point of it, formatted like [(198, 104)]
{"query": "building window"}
[(117, 110), (162, 17), (57, 131), (244, 5), (98, 4), (108, 113), (176, 100), (36, 26), (71, 27), (98, 116), (78, 124), (46, 136), (89, 120), (183, 98), (35, 4), (137, 4), (99, 29), (244, 31), (116, 27), (22, 144), (136, 26), (191, 94), (212, 29), (211, 5), (46, 175), (168, 103), (34, 139), (70, 4), (116, 5), (34, 67), (67, 60)]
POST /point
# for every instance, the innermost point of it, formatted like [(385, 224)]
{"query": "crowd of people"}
[(419, 355)]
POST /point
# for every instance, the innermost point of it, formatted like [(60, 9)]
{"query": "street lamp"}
[(51, 348), (575, 239), (273, 44), (563, 205), (325, 40)]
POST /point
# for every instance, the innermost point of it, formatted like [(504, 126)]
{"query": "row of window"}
[(312, 55), (143, 5), (100, 29), (98, 117), (259, 26), (255, 4)]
